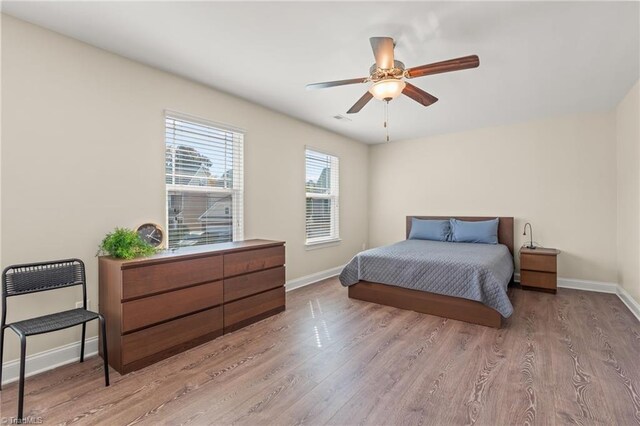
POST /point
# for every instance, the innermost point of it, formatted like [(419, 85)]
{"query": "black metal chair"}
[(36, 277)]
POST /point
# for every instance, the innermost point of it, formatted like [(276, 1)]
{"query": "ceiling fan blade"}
[(419, 95), (361, 103), (383, 51), (445, 66), (326, 84)]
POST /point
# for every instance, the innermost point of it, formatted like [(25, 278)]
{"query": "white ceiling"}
[(536, 59)]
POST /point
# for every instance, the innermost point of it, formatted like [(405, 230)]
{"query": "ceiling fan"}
[(388, 76)]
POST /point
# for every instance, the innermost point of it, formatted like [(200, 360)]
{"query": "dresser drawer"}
[(163, 337), (256, 282), (243, 312), (545, 280), (147, 280), (535, 262), (253, 260), (154, 309)]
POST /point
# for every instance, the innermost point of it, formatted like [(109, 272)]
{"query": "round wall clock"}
[(151, 233)]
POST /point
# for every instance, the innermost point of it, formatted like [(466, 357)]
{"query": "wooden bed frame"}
[(432, 303)]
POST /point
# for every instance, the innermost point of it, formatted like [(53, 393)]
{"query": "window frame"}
[(236, 193), (333, 196)]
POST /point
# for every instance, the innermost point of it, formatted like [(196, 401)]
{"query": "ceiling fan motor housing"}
[(379, 73)]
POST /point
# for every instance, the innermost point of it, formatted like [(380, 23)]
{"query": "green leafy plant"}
[(125, 243)]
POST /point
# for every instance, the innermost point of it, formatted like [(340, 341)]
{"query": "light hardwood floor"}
[(572, 358)]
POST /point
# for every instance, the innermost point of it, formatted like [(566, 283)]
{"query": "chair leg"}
[(1, 352), (84, 331), (105, 354), (23, 356)]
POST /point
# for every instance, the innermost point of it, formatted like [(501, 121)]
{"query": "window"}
[(203, 164), (322, 187)]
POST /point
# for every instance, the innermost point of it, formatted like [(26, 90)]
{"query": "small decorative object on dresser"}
[(151, 233), (538, 269), (164, 304)]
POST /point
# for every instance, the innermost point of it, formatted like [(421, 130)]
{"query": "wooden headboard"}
[(505, 226)]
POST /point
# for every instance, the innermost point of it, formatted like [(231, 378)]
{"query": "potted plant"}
[(125, 243)]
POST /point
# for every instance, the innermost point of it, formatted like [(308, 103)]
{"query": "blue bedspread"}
[(478, 272)]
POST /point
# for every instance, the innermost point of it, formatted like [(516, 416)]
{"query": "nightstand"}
[(538, 269)]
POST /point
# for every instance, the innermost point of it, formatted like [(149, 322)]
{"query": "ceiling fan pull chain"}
[(386, 118), (384, 114)]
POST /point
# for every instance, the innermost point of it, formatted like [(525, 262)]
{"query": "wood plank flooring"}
[(570, 358)]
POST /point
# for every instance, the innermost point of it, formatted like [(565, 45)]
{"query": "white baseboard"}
[(313, 278), (47, 360), (631, 303), (598, 286), (586, 285)]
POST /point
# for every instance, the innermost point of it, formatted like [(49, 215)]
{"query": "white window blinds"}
[(322, 185), (204, 182)]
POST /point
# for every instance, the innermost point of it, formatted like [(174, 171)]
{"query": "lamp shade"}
[(387, 89)]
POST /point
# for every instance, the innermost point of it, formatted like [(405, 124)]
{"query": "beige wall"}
[(83, 152), (559, 174), (628, 149)]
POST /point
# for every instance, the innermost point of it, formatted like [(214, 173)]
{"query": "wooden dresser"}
[(158, 306), (538, 269)]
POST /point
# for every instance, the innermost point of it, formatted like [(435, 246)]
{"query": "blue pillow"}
[(485, 231), (434, 230)]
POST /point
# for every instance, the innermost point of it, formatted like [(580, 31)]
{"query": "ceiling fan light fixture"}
[(387, 89)]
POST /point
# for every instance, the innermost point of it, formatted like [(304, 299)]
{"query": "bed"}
[(461, 281)]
